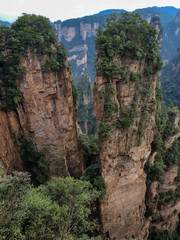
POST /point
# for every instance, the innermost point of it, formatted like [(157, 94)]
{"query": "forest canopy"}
[(126, 35)]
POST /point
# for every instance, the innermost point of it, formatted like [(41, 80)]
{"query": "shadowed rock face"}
[(47, 116), (83, 31), (124, 154), (166, 213), (78, 36), (161, 198), (155, 23)]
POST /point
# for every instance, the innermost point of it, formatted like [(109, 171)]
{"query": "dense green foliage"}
[(172, 156), (156, 171), (90, 148), (166, 129), (78, 39), (164, 158), (165, 235), (92, 174), (34, 31), (126, 36), (104, 130), (86, 117), (58, 210), (34, 161), (28, 32), (12, 214)]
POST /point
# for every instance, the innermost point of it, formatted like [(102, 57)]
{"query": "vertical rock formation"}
[(155, 23), (78, 36), (124, 104), (86, 116), (170, 81), (46, 113), (163, 196)]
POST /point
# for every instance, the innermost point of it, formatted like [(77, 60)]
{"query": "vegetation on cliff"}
[(167, 124), (34, 162), (62, 208), (127, 64), (28, 32), (31, 207), (170, 81), (127, 38), (86, 117)]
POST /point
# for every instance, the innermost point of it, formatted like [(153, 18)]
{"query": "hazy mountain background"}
[(79, 34)]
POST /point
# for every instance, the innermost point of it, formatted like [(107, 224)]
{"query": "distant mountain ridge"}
[(108, 11), (79, 34), (5, 23), (172, 11)]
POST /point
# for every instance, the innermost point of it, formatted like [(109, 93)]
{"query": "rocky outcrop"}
[(86, 116), (165, 210), (162, 197), (125, 104), (78, 36), (46, 116), (9, 156), (177, 18), (155, 23), (123, 156)]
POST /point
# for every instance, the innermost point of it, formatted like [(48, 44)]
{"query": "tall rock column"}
[(36, 99), (125, 104)]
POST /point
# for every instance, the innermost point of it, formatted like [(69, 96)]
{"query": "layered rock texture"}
[(47, 116), (44, 114), (163, 196), (170, 78), (123, 156), (125, 105), (78, 36), (156, 24), (86, 116)]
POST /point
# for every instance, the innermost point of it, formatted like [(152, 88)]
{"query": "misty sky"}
[(65, 9)]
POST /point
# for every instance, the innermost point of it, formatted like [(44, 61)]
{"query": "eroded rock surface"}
[(123, 156), (47, 116)]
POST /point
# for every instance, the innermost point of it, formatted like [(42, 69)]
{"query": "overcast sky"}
[(65, 9)]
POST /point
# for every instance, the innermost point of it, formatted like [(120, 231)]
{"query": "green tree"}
[(29, 32), (126, 35), (74, 198), (13, 188), (61, 209)]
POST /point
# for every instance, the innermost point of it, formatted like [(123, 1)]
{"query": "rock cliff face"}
[(80, 33), (170, 78), (86, 116), (9, 155), (123, 156), (155, 23), (163, 197), (78, 36), (46, 116), (171, 38), (125, 104), (165, 213)]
